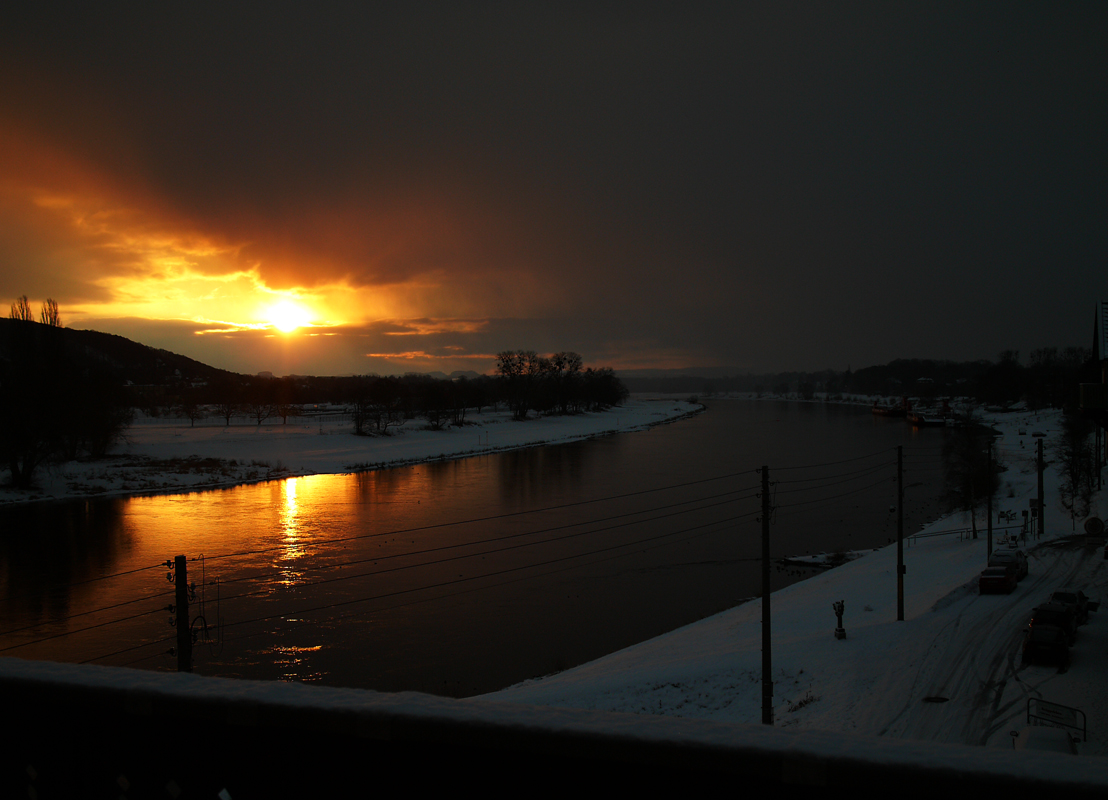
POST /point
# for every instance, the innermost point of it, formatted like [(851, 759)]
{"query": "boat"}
[(921, 420), (930, 417), (889, 410)]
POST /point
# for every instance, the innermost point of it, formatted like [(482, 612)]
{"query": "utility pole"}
[(900, 533), (184, 630), (1042, 504), (989, 505), (767, 660)]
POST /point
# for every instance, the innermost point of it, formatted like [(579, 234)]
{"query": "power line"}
[(507, 537), (493, 551), (834, 497), (91, 611), (856, 476), (505, 571), (92, 580), (498, 516), (80, 630), (833, 463)]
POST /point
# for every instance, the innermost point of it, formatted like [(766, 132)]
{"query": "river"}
[(465, 576)]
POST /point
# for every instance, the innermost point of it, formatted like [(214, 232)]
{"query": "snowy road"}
[(969, 686)]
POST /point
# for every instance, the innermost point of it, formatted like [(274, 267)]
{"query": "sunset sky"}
[(339, 189)]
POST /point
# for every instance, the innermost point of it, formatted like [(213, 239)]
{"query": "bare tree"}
[(376, 404), (49, 314), (21, 310), (519, 371), (190, 408), (970, 477), (261, 399), (1077, 464)]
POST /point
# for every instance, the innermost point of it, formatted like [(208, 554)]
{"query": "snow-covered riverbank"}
[(950, 672), (169, 455)]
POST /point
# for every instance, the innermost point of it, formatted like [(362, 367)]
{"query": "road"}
[(969, 686)]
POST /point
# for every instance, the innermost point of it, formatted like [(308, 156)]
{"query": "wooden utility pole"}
[(184, 630), (1042, 504), (900, 533), (989, 504), (767, 660)]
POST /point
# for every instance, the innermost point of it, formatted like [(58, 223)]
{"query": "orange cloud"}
[(411, 355)]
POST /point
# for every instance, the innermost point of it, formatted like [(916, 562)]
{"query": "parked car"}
[(994, 580), (1075, 599), (1058, 616), (1047, 644), (1001, 557)]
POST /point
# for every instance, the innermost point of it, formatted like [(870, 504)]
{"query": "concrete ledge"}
[(131, 733)]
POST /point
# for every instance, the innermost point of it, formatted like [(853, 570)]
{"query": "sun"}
[(287, 316)]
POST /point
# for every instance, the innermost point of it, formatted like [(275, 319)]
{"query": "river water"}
[(462, 577)]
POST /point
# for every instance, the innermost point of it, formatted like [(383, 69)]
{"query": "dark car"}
[(1001, 558), (994, 580), (1047, 644), (1075, 599), (1056, 615)]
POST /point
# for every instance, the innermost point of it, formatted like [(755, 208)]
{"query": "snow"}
[(949, 672), (160, 455)]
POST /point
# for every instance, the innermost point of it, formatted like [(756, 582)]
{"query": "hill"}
[(124, 359)]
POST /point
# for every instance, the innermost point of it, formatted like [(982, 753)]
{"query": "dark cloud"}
[(802, 185)]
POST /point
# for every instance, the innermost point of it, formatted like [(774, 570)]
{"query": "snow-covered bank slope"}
[(162, 455), (950, 672)]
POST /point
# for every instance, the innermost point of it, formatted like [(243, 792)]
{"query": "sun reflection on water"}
[(290, 659), (292, 533)]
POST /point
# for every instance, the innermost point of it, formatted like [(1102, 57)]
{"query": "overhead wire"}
[(833, 497), (860, 471), (467, 579), (428, 550), (833, 463), (517, 535), (857, 476), (829, 480), (93, 580), (79, 630), (493, 517), (463, 556), (109, 607)]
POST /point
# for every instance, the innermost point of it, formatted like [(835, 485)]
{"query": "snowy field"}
[(160, 456), (950, 672)]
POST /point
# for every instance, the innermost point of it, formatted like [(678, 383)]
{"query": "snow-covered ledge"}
[(82, 727)]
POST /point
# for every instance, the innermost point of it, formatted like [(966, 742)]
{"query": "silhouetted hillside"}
[(126, 360)]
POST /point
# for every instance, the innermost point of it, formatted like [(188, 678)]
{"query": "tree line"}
[(524, 382), (1047, 378), (558, 383)]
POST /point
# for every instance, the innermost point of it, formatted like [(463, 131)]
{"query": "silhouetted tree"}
[(287, 400), (967, 474), (519, 371), (1077, 464), (49, 314), (21, 310), (260, 399), (190, 407)]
